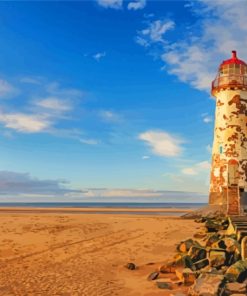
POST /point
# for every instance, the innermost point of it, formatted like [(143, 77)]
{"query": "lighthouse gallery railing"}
[(232, 80)]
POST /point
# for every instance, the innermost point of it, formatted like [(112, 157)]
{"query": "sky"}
[(109, 100)]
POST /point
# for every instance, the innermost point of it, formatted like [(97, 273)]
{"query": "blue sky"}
[(109, 100)]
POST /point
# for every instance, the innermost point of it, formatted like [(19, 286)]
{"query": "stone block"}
[(207, 285), (235, 288), (217, 257), (186, 275), (237, 272)]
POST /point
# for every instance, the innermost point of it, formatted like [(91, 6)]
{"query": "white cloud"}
[(145, 157), (196, 169), (219, 28), (25, 123), (115, 4), (55, 89), (40, 115), (154, 32), (88, 141), (6, 89), (189, 171), (162, 143), (209, 148), (31, 80), (98, 56), (109, 116), (54, 103), (207, 118), (137, 4)]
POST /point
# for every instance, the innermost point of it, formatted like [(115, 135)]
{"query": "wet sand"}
[(58, 253)]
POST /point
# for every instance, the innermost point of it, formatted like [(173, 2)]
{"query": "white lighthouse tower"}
[(228, 184)]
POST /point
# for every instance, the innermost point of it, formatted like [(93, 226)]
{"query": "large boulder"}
[(180, 260), (235, 288), (200, 264), (184, 246), (207, 285), (197, 253), (237, 272), (186, 276), (212, 239), (217, 257)]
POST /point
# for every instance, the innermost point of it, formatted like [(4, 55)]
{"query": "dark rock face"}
[(164, 285), (131, 266), (153, 276), (237, 272)]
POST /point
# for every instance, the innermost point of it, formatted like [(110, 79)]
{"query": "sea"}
[(111, 205)]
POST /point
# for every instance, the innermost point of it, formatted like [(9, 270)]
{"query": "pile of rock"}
[(209, 264)]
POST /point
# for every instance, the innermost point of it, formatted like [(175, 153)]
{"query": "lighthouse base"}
[(229, 198)]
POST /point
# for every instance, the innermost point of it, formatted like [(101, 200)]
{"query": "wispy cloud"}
[(154, 32), (145, 157), (40, 115), (55, 104), (88, 141), (115, 4), (137, 4), (162, 143), (194, 57), (31, 80), (6, 89), (99, 55), (25, 123), (207, 118), (55, 89), (110, 116), (196, 169), (209, 148)]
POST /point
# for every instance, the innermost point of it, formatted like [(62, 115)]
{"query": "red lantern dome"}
[(232, 74)]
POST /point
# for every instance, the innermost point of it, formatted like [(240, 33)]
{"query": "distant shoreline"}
[(122, 211)]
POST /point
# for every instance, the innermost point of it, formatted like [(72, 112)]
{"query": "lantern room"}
[(232, 74)]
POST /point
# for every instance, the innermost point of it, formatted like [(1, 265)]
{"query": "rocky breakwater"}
[(209, 264)]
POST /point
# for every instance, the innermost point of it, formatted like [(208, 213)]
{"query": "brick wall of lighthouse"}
[(229, 153)]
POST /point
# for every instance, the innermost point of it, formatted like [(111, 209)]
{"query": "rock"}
[(180, 261), (200, 235), (153, 276), (186, 275), (217, 257), (237, 272), (237, 288), (207, 285), (197, 253), (164, 285), (212, 239), (200, 264), (130, 266), (169, 267), (232, 258), (184, 246), (232, 245), (201, 220), (213, 225)]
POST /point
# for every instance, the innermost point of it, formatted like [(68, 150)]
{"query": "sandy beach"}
[(59, 253)]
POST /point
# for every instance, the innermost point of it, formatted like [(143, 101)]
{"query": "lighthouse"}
[(228, 181)]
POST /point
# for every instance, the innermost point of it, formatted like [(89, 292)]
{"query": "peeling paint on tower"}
[(228, 182)]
